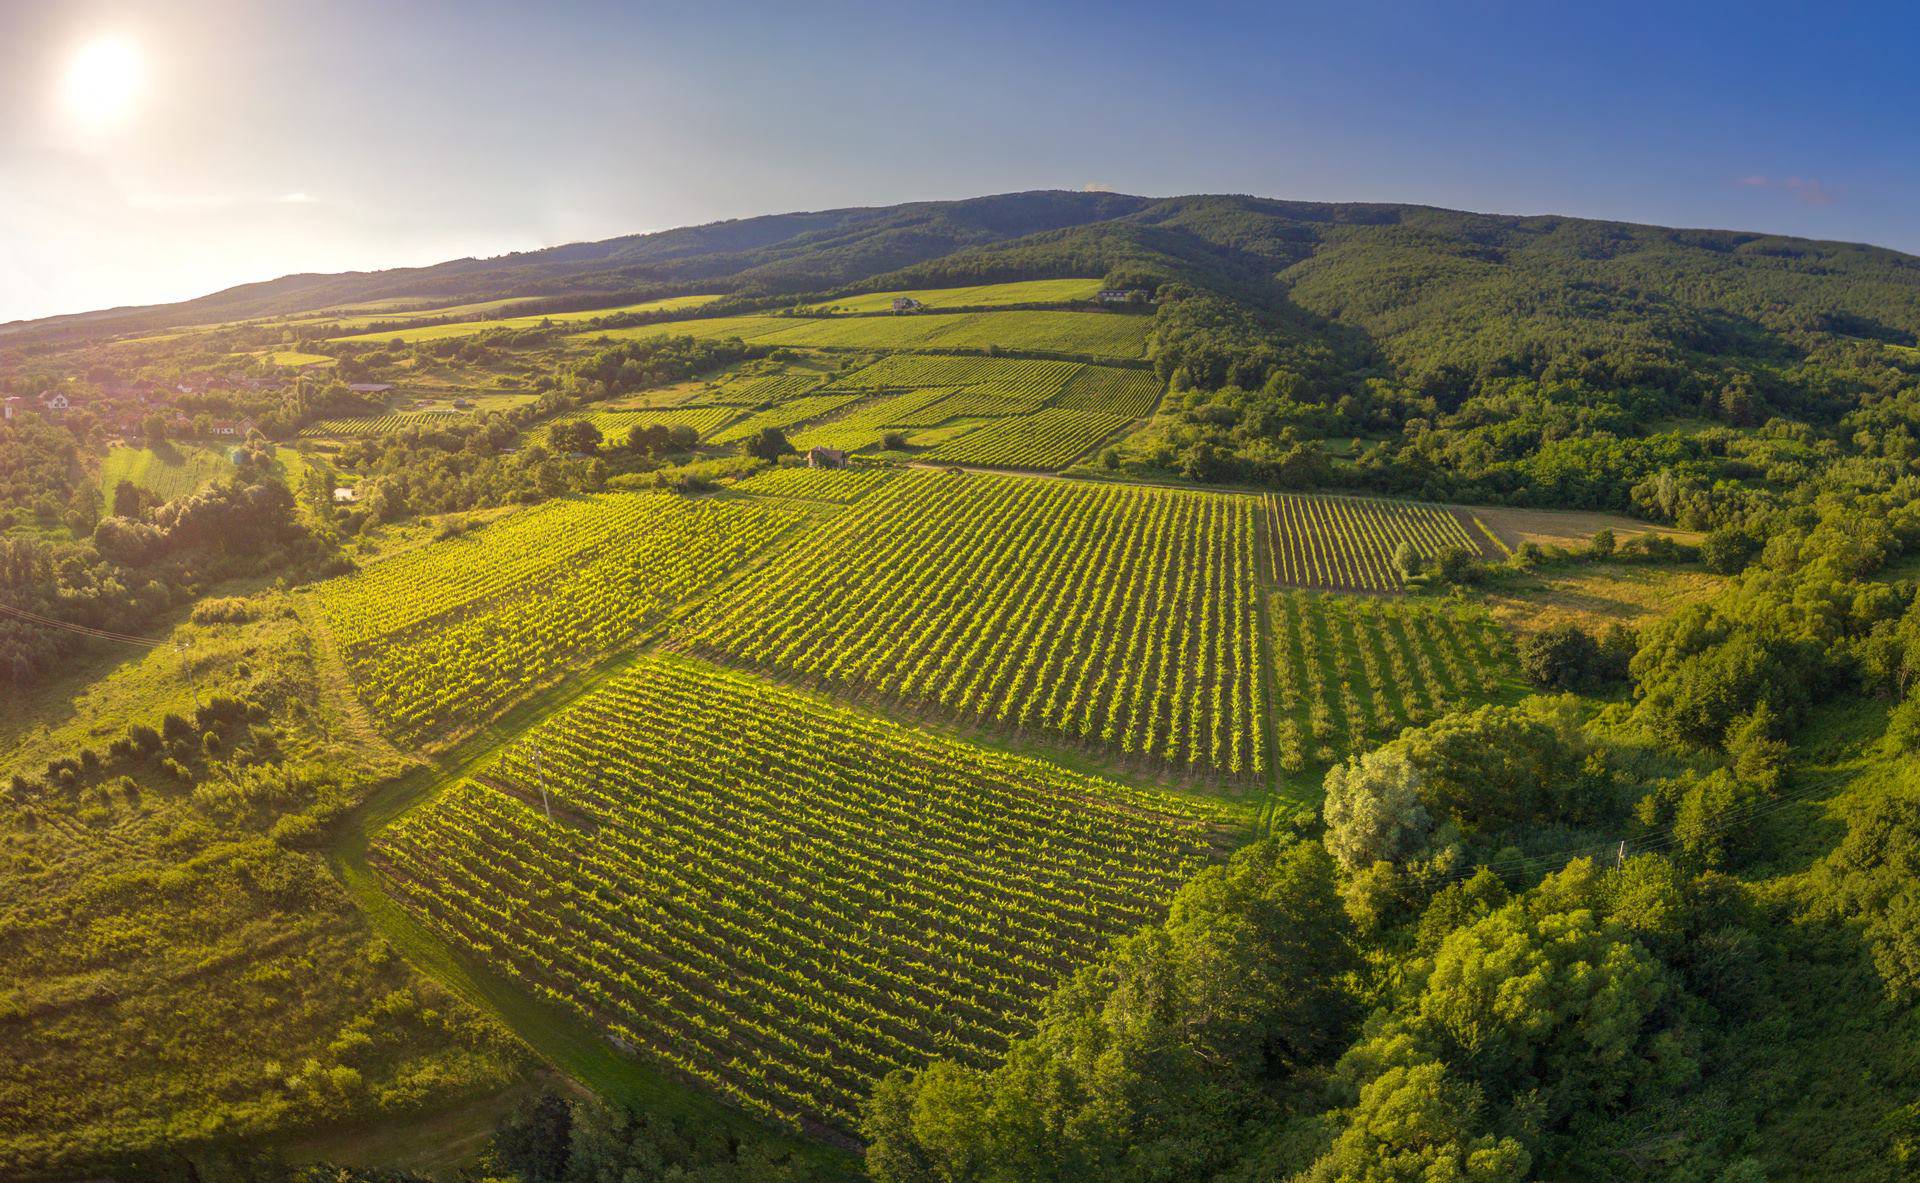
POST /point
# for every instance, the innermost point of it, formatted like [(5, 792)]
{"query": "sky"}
[(154, 151)]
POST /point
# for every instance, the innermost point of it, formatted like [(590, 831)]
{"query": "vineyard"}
[(467, 328), (866, 422), (367, 425), (1116, 616), (1350, 671), (783, 415), (615, 423), (840, 485), (1347, 543), (437, 639), (1047, 439), (1110, 390), (1026, 291), (1093, 334), (778, 898)]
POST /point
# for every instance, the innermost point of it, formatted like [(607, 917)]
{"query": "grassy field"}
[(467, 328), (1030, 291), (1569, 529), (173, 470), (1094, 334), (1595, 597)]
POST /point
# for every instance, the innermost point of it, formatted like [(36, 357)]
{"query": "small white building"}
[(345, 495), (905, 304), (14, 406)]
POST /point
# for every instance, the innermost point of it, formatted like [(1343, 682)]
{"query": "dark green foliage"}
[(769, 444), (553, 1140), (575, 436), (1559, 657), (535, 1142), (1727, 549), (1160, 1061)]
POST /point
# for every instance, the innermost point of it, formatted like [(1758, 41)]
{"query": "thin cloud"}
[(1096, 187), (1805, 190), (297, 199)]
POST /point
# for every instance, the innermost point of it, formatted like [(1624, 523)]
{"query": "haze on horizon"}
[(154, 152)]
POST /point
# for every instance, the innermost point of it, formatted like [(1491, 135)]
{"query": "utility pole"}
[(540, 766), (186, 668), (1620, 856)]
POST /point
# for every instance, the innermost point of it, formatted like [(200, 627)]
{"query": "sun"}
[(103, 81)]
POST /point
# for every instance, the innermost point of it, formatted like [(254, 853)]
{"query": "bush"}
[(224, 610), (1559, 657), (1728, 550)]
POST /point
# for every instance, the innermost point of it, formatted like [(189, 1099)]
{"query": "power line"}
[(80, 629)]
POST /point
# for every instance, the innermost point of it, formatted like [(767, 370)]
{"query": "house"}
[(233, 427), (463, 404), (345, 495), (1123, 296), (15, 405), (55, 402), (826, 458), (370, 387), (905, 304)]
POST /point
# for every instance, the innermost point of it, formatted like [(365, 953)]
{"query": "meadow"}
[(1116, 617), (779, 898), (173, 470)]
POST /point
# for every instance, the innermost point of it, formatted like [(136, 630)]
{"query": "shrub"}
[(1559, 657)]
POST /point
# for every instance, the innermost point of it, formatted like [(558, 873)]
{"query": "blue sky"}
[(266, 138)]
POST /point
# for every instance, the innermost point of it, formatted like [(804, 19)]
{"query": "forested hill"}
[(1433, 289)]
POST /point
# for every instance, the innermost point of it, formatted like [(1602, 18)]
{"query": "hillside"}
[(1398, 693)]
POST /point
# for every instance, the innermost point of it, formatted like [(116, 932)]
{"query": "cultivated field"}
[(614, 423), (438, 639), (1120, 617), (839, 485), (784, 415), (1047, 439), (1351, 671), (467, 328), (365, 425), (779, 898), (1094, 334), (1347, 543), (1028, 291)]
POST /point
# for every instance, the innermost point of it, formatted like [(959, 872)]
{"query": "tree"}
[(769, 444), (534, 1143), (129, 499), (1602, 544), (1416, 1124), (1727, 551), (575, 435), (1407, 561), (1373, 810), (1558, 657)]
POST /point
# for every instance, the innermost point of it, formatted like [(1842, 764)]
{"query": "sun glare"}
[(103, 81)]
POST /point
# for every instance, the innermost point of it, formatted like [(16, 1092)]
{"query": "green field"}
[(1030, 291), (364, 425), (615, 423), (784, 415), (1048, 439), (779, 898), (1348, 543), (1094, 334), (1350, 671), (840, 485), (1120, 618), (441, 638), (467, 328), (174, 470)]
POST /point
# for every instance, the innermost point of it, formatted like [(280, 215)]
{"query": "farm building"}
[(345, 495), (905, 304), (826, 458), (1122, 296)]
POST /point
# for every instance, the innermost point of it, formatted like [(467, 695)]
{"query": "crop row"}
[(842, 485), (1097, 334), (1348, 543), (779, 898), (1117, 616), (1048, 439), (366, 425), (782, 415), (441, 638), (1350, 671)]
